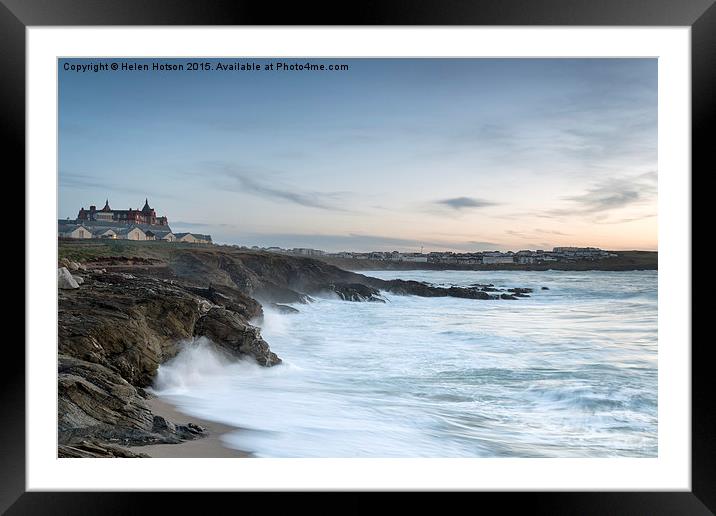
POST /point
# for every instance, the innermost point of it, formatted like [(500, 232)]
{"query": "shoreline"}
[(208, 447)]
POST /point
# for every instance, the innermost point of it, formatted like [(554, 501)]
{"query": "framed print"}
[(420, 249)]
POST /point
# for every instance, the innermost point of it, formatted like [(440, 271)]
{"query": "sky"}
[(390, 154)]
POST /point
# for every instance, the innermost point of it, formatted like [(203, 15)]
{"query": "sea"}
[(570, 371)]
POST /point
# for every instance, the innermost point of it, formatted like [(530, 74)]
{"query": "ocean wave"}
[(569, 372)]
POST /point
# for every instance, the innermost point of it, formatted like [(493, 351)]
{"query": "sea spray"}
[(568, 372), (200, 364), (197, 364)]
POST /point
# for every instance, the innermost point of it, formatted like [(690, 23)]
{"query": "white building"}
[(497, 259), (116, 230), (74, 231), (416, 258), (131, 233), (303, 251), (186, 237), (193, 238)]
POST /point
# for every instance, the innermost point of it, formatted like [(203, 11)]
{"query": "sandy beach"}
[(210, 446)]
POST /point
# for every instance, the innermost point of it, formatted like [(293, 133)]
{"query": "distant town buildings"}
[(128, 224), (306, 252), (525, 256)]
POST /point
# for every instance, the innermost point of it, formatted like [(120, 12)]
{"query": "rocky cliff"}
[(114, 329), (121, 316)]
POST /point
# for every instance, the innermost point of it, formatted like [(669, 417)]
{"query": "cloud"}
[(551, 232), (605, 197), (478, 242), (246, 182), (70, 180), (626, 219), (81, 181), (609, 195), (539, 245), (461, 203), (201, 224)]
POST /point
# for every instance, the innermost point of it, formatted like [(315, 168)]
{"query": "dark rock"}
[(356, 292), (93, 397), (409, 288), (113, 334), (284, 309), (129, 325), (507, 296), (467, 293), (520, 290), (97, 405), (234, 335), (93, 449), (161, 425), (196, 428), (545, 288), (230, 298), (416, 288), (191, 431)]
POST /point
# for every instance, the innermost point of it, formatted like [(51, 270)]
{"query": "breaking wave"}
[(568, 372)]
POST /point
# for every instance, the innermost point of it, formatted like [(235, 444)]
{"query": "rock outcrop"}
[(90, 448), (284, 309), (356, 292), (130, 314), (232, 335), (114, 331)]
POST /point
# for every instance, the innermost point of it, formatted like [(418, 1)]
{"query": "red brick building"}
[(146, 215)]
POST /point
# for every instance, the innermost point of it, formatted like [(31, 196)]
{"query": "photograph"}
[(359, 257)]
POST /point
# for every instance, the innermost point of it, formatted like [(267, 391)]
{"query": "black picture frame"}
[(700, 15)]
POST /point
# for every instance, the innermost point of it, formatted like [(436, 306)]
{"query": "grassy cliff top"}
[(92, 249)]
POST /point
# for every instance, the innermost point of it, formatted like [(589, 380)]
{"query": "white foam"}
[(570, 371)]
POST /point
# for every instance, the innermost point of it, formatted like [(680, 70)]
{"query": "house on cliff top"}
[(128, 224), (193, 238)]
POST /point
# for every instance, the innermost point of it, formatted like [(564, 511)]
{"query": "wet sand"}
[(210, 446)]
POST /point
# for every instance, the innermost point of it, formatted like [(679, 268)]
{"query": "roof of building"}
[(126, 229), (101, 230), (156, 230), (113, 224), (69, 228)]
